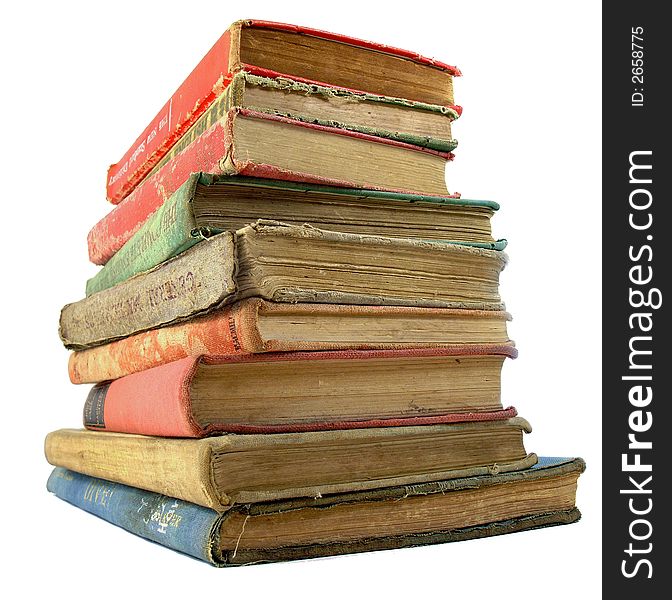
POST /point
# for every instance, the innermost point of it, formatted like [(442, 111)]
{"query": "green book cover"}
[(168, 232), (173, 228)]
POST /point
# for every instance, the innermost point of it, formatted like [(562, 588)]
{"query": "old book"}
[(277, 50), (424, 125), (206, 148), (271, 146), (415, 123), (204, 205), (392, 517), (419, 123), (288, 263), (254, 325), (220, 471), (276, 147), (302, 391)]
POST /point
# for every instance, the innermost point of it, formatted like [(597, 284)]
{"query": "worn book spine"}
[(184, 468), (231, 330), (175, 290), (204, 278), (212, 152), (171, 522), (180, 468), (204, 84), (117, 227), (235, 330), (194, 530), (122, 407), (157, 401), (171, 230)]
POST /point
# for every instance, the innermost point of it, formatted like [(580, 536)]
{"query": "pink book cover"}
[(157, 401)]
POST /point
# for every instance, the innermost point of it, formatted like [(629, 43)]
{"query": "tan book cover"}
[(288, 263), (218, 472)]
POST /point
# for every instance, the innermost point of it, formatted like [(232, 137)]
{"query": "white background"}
[(79, 83)]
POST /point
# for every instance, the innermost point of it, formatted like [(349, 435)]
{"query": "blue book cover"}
[(174, 523), (195, 530)]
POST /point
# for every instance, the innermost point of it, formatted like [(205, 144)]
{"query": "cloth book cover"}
[(288, 263), (255, 326), (214, 152), (180, 222), (160, 401), (223, 470), (401, 516), (248, 42)]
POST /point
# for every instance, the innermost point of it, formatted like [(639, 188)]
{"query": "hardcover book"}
[(419, 123), (264, 145), (220, 471), (288, 263), (208, 151), (302, 391), (254, 325), (277, 50), (392, 517), (204, 205)]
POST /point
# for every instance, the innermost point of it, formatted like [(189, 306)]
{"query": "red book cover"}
[(208, 153), (207, 81), (158, 401)]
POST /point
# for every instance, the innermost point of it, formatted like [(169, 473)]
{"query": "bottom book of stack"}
[(390, 517)]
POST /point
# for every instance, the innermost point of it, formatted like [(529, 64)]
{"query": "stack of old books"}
[(297, 336)]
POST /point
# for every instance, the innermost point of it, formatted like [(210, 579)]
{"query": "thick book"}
[(392, 517), (220, 471), (254, 325), (204, 206), (288, 263), (278, 50), (302, 391)]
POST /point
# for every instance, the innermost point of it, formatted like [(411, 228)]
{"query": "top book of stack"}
[(345, 69)]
